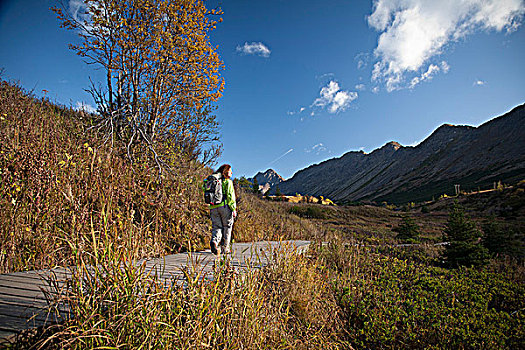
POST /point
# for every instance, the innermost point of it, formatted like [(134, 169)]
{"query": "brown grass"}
[(60, 184)]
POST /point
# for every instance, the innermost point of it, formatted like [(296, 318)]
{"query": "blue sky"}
[(311, 80)]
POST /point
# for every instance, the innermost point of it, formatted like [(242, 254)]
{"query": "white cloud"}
[(317, 149), (413, 32), (79, 10), (81, 106), (479, 83), (254, 48), (428, 75), (326, 75), (362, 59), (445, 67), (360, 87), (302, 109), (335, 99)]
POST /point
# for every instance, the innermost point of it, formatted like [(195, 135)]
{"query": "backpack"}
[(213, 189)]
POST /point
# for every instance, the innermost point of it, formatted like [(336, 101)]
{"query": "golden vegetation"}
[(162, 73), (60, 186)]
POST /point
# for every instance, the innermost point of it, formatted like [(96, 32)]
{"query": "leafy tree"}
[(255, 186), (408, 230), (463, 237), (161, 72), (244, 183)]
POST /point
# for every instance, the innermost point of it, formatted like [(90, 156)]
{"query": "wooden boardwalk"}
[(23, 302)]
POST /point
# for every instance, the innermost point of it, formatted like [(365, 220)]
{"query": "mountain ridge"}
[(452, 154)]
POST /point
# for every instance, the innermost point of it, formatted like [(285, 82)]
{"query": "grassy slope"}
[(61, 187)]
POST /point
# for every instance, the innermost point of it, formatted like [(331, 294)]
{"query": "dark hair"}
[(223, 169)]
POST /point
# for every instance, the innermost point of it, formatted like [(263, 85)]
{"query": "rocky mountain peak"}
[(267, 179), (452, 129), (393, 144), (387, 149)]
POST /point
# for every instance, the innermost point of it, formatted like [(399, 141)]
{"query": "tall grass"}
[(115, 303), (263, 220), (337, 296), (60, 183)]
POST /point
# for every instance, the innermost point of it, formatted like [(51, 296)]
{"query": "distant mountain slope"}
[(266, 180), (469, 156)]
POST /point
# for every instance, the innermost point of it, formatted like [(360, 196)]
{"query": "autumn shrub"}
[(60, 182)]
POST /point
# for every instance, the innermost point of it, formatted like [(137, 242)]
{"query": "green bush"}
[(500, 239), (388, 303), (310, 212), (408, 231)]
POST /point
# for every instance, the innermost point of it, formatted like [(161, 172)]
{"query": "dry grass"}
[(60, 184)]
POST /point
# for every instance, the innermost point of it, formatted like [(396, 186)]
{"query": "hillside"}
[(473, 157), (62, 188)]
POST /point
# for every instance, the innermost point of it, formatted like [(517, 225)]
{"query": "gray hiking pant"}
[(221, 226)]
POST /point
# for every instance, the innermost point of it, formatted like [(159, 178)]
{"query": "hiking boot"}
[(214, 249)]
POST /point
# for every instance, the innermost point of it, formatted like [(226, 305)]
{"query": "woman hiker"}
[(223, 214)]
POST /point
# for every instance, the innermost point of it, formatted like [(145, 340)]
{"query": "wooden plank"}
[(22, 293), (26, 286), (40, 315), (21, 311), (26, 304), (11, 323), (23, 301), (33, 278), (41, 274), (23, 278), (7, 337)]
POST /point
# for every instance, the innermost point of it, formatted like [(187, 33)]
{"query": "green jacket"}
[(228, 195)]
